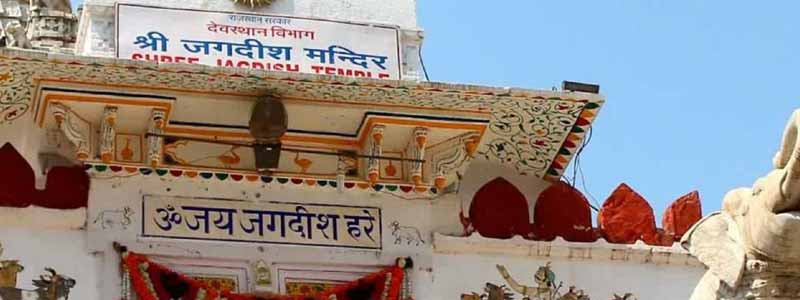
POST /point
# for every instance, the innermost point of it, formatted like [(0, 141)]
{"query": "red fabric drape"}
[(152, 281)]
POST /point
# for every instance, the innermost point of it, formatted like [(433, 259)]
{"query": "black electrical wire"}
[(422, 62), (577, 169)]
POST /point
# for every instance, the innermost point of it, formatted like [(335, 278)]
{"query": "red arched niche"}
[(499, 210), (67, 187), (561, 210)]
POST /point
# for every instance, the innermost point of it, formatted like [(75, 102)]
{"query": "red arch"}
[(499, 210), (561, 210), (67, 187)]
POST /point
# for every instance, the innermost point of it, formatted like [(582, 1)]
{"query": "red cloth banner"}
[(151, 281)]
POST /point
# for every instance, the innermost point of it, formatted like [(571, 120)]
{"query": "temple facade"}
[(293, 149)]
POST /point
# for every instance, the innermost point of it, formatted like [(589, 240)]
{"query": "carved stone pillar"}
[(374, 148), (75, 129), (343, 166), (52, 30), (416, 150), (108, 132), (155, 143)]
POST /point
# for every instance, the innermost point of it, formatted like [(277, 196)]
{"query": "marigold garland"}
[(147, 279)]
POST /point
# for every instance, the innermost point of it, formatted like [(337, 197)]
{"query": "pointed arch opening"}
[(500, 210)]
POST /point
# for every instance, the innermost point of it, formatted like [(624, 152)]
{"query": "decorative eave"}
[(559, 248), (536, 132), (99, 171)]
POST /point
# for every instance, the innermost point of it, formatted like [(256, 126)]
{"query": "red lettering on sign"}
[(164, 58)]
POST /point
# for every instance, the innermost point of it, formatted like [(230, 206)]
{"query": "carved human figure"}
[(545, 283), (752, 247), (16, 36)]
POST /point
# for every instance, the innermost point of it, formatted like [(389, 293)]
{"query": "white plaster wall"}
[(28, 139), (435, 276), (63, 250), (111, 192), (454, 275)]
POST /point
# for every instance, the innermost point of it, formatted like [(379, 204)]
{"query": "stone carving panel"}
[(751, 246)]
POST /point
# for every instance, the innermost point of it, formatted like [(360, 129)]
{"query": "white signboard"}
[(274, 43), (271, 222)]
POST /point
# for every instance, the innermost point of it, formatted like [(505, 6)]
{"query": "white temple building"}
[(293, 149)]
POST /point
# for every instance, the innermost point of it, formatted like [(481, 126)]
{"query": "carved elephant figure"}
[(752, 247)]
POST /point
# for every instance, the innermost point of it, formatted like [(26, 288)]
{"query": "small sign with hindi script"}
[(273, 43), (267, 222)]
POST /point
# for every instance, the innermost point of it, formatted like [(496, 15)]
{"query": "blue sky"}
[(698, 92)]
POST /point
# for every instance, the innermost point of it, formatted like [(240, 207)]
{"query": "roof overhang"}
[(535, 132)]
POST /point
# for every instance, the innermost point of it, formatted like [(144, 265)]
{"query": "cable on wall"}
[(422, 63)]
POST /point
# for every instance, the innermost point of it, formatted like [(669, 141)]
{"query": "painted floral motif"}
[(531, 131), (15, 91), (307, 288), (218, 283)]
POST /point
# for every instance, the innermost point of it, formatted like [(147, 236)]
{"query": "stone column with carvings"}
[(108, 133), (155, 143), (416, 150), (374, 148), (52, 30)]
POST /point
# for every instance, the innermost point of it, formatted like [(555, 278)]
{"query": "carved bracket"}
[(76, 130), (452, 156)]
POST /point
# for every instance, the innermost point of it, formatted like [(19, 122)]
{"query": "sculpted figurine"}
[(63, 6), (545, 283), (752, 247), (16, 36)]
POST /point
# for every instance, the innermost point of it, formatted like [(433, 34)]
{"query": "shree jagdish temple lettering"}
[(271, 222), (259, 42)]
